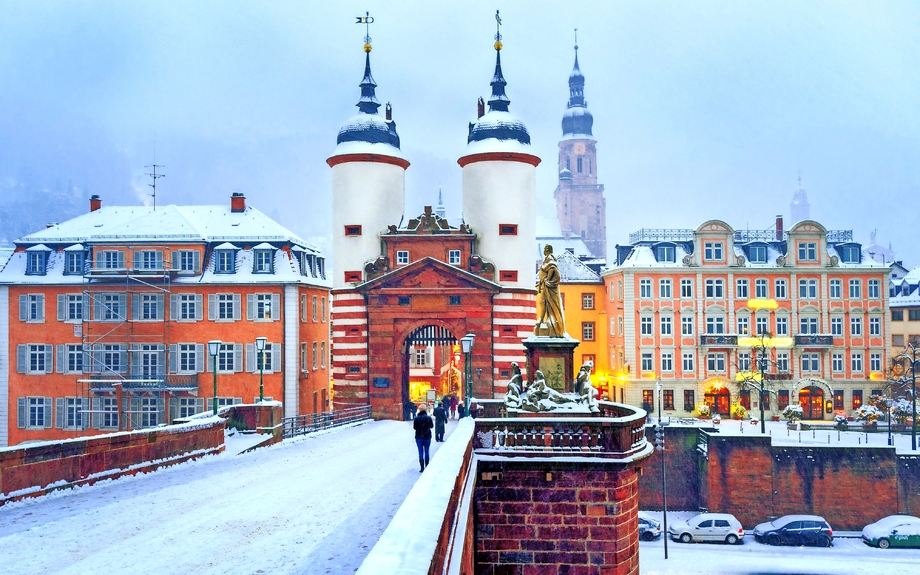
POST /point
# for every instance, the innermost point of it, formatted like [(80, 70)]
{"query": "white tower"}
[(499, 187), (799, 207), (368, 184)]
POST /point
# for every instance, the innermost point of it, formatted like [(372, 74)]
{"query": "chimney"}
[(480, 108), (779, 227), (95, 203), (389, 112), (237, 202)]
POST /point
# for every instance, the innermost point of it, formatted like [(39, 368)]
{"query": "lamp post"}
[(912, 357), (466, 344), (213, 350), (659, 446), (260, 345)]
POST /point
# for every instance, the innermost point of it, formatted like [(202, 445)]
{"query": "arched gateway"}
[(431, 360)]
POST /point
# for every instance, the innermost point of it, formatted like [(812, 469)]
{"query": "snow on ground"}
[(314, 504)]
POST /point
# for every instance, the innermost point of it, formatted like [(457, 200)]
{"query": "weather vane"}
[(367, 20), (576, 38), (498, 33)]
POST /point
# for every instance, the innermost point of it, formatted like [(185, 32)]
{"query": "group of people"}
[(450, 407)]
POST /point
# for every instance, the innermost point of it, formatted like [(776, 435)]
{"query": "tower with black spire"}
[(580, 204)]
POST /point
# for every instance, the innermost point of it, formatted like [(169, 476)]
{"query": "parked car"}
[(795, 530), (893, 531), (649, 527), (708, 527)]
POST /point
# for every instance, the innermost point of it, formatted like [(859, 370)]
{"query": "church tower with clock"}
[(580, 204)]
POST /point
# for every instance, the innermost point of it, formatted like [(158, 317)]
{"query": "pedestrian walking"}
[(461, 411), (440, 420), (422, 425), (453, 407)]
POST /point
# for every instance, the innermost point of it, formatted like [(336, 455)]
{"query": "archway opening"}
[(718, 398), (812, 401), (432, 361)]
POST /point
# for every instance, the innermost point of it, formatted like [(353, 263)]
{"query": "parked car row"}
[(892, 531)]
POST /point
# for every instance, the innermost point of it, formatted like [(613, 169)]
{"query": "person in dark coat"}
[(440, 420), (461, 410), (453, 407), (422, 425)]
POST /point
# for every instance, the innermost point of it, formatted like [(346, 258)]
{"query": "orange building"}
[(680, 310), (106, 319)]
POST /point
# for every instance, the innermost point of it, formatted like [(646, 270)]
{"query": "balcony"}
[(140, 382), (660, 235), (814, 340), (718, 340)]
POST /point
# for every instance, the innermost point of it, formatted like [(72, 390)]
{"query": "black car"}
[(795, 530)]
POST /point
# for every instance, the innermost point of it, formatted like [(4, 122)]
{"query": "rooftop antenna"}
[(576, 39), (154, 175)]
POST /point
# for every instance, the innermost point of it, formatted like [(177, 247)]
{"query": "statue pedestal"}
[(554, 356)]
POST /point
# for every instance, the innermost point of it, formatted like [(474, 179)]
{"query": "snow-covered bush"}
[(793, 413), (703, 410), (901, 411), (868, 413), (841, 422), (738, 411)]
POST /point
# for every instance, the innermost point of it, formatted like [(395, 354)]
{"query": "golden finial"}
[(367, 47), (498, 45)]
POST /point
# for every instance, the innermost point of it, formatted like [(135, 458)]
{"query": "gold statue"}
[(550, 321)]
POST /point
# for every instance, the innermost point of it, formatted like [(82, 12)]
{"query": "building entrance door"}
[(718, 400), (812, 401)]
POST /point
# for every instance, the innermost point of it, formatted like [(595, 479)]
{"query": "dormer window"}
[(665, 254), (321, 267), (36, 263), (73, 263), (808, 252), (849, 254), (148, 260), (712, 251), (226, 262), (262, 261), (757, 254)]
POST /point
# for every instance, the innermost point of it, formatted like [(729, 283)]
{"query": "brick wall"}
[(28, 471), (542, 518), (737, 478), (683, 472), (909, 485)]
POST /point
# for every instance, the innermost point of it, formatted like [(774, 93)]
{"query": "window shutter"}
[(22, 354), (123, 361), (59, 419), (21, 417), (161, 361), (41, 308), (48, 402), (160, 303), (49, 358), (135, 306), (23, 308), (123, 306), (62, 307), (159, 260), (196, 261), (250, 306), (237, 307), (276, 307), (173, 307), (276, 357), (238, 357), (173, 358), (61, 359), (237, 400), (135, 413), (173, 409), (212, 306), (198, 306), (199, 357), (199, 401), (96, 420), (84, 313), (251, 365), (97, 307), (303, 308)]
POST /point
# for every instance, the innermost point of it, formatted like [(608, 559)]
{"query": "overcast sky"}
[(701, 109)]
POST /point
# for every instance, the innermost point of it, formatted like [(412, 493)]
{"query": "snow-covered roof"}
[(643, 256), (561, 244), (38, 248), (381, 149), (573, 270)]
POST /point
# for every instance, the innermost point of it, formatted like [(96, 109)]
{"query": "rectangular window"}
[(645, 288), (587, 330), (148, 260), (763, 325), (760, 288), (837, 362), (352, 230), (112, 362), (856, 362), (667, 362), (782, 362), (836, 326), (508, 275), (35, 358), (808, 325), (188, 307), (810, 363), (226, 262), (404, 300), (779, 287), (857, 398), (32, 308), (149, 416), (686, 288), (453, 257), (188, 406), (665, 254), (315, 309), (808, 289), (741, 289), (263, 261), (225, 306), (897, 340), (782, 325), (875, 362), (715, 289), (353, 277), (687, 362), (73, 358), (715, 324), (507, 229), (744, 398), (262, 306), (188, 357), (689, 400), (402, 257), (744, 361), (782, 399), (109, 413), (648, 399), (913, 315), (686, 325), (453, 300), (322, 354), (874, 289), (645, 326), (315, 356), (715, 362), (834, 289), (757, 254), (110, 260), (664, 289), (322, 308), (73, 414), (808, 251), (743, 325), (666, 329), (39, 412), (712, 251), (150, 307), (619, 326), (667, 399), (226, 358), (421, 357), (587, 301), (187, 260), (855, 326), (855, 289), (875, 326), (73, 263), (646, 362)]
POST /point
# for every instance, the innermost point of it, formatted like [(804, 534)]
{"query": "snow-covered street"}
[(311, 505)]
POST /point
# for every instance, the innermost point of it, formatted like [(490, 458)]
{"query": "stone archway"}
[(812, 395), (428, 360), (717, 395)]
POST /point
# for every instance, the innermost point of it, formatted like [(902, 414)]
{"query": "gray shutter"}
[(135, 305), (48, 405), (49, 358), (123, 360), (41, 308), (208, 362), (135, 408), (212, 306), (237, 400), (250, 306), (196, 261), (160, 302), (89, 360), (21, 413), (199, 357), (199, 401), (251, 358), (23, 308), (59, 419), (276, 307), (62, 307), (96, 420), (123, 306), (84, 313), (22, 356), (276, 357), (198, 306), (173, 307), (159, 260), (98, 311), (237, 307), (173, 409), (61, 357), (238, 357), (173, 358)]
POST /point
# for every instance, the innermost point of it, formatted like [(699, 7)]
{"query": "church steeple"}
[(577, 120), (368, 102), (499, 101)]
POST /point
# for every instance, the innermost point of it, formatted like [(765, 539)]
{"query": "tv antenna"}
[(154, 176)]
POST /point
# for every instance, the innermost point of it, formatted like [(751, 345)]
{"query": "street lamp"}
[(466, 344), (260, 345), (213, 350), (659, 446)]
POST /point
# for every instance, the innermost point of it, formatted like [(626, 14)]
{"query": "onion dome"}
[(367, 126), (577, 120), (565, 174), (498, 123)]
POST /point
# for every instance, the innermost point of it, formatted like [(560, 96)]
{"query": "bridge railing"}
[(304, 424)]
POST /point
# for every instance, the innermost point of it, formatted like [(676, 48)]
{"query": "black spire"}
[(499, 101), (577, 120), (576, 85), (368, 102)]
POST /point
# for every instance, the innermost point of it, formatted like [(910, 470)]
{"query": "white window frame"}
[(874, 289), (263, 261), (837, 362), (712, 251), (855, 288), (744, 325), (666, 326), (856, 365), (667, 362), (686, 288), (835, 287), (875, 362), (225, 261), (453, 257), (782, 325), (664, 288), (741, 288), (761, 290), (687, 362), (837, 326), (808, 251), (647, 362), (402, 257), (856, 326), (779, 289), (875, 326), (715, 362), (645, 288), (645, 326), (686, 325)]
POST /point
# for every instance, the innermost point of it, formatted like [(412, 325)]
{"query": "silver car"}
[(708, 527)]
